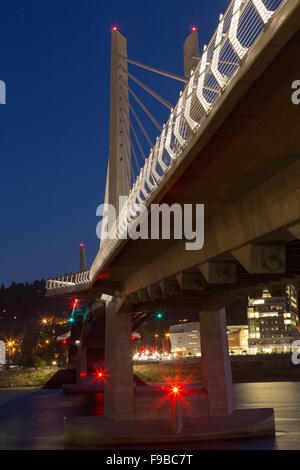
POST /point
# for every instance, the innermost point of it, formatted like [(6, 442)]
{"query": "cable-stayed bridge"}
[(231, 142)]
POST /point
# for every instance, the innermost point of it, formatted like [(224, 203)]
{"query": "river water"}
[(33, 419)]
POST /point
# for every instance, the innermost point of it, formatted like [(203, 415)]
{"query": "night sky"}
[(54, 133)]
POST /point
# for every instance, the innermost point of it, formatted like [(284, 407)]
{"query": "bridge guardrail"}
[(68, 280)]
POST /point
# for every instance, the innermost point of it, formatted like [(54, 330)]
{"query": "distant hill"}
[(22, 303)]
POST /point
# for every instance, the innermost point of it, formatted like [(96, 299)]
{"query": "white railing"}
[(238, 29), (69, 280)]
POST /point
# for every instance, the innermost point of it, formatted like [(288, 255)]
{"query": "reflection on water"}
[(34, 419)]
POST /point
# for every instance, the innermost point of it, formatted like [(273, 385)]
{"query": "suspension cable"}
[(125, 165), (138, 121), (129, 138), (134, 133), (151, 92), (145, 110), (142, 106), (154, 69), (122, 172), (128, 160)]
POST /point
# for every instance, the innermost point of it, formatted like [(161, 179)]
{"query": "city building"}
[(237, 339), (185, 339), (2, 354), (273, 321)]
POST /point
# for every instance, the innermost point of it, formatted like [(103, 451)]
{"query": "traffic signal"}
[(159, 315)]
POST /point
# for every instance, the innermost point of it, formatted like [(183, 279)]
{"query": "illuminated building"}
[(273, 320), (237, 338), (185, 339)]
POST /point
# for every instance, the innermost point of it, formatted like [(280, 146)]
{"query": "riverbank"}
[(25, 378), (243, 370), (189, 371)]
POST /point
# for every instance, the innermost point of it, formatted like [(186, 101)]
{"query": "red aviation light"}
[(194, 28), (115, 28)]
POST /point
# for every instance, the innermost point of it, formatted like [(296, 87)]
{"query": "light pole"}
[(176, 411)]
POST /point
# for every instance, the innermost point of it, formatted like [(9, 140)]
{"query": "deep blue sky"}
[(54, 58)]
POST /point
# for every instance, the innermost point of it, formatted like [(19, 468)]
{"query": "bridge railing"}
[(238, 29), (69, 280)]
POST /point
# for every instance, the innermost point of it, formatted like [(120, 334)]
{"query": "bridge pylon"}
[(191, 52), (118, 179), (82, 258)]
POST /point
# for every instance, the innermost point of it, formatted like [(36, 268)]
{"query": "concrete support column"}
[(118, 383), (81, 364), (216, 366)]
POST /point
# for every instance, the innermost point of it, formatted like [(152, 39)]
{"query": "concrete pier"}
[(118, 383), (140, 415), (216, 366)]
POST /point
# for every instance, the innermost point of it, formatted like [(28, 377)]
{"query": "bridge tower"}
[(119, 172), (118, 178), (82, 258), (191, 52)]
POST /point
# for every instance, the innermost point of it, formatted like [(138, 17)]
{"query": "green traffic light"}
[(159, 315)]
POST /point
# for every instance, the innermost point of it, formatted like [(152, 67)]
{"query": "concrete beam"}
[(295, 230), (190, 281), (170, 287), (143, 295), (219, 272), (261, 259), (134, 298), (155, 292)]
